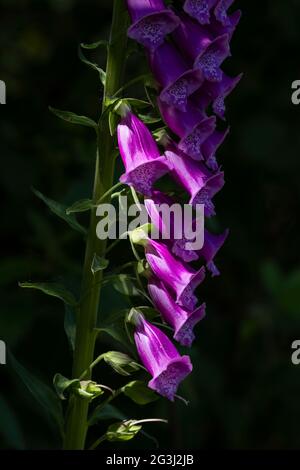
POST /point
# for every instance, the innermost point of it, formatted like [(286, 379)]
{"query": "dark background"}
[(244, 391)]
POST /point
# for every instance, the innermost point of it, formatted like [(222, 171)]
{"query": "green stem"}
[(76, 419)]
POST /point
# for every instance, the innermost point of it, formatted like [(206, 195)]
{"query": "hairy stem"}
[(76, 419)]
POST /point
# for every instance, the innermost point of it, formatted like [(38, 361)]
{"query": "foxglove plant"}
[(185, 50)]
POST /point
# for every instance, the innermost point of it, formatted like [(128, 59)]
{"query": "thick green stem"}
[(76, 419)]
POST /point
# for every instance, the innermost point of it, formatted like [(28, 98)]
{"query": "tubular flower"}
[(161, 358), (181, 320), (171, 226), (140, 154), (177, 81), (193, 127), (216, 93), (205, 51), (152, 21), (199, 9), (199, 182), (212, 244), (181, 278)]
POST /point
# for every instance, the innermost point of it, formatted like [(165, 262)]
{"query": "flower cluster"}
[(185, 50)]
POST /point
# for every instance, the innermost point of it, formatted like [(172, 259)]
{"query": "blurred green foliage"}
[(244, 391)]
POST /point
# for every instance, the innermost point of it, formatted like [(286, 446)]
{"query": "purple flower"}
[(151, 22), (221, 12), (217, 29), (200, 183), (206, 51), (193, 127), (161, 359), (199, 9), (178, 276), (216, 93), (212, 244), (170, 225), (140, 154), (210, 147), (173, 74), (181, 320)]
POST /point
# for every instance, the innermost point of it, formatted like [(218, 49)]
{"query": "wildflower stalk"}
[(76, 420)]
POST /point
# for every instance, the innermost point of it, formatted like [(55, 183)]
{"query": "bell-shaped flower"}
[(181, 320), (178, 276), (160, 358), (171, 224), (210, 147), (199, 9), (173, 75), (152, 21), (140, 154), (220, 12), (212, 244), (216, 93), (201, 184), (205, 51), (193, 127)]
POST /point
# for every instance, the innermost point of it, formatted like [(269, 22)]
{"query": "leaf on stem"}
[(120, 362), (62, 385), (124, 431), (41, 392), (138, 392), (82, 205), (60, 211), (73, 118), (99, 264), (53, 289), (93, 65)]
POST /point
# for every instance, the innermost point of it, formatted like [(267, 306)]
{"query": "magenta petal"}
[(173, 74), (143, 176), (212, 244), (191, 143), (140, 154), (210, 147), (167, 382), (210, 60), (199, 9), (221, 11), (139, 8), (204, 196), (180, 277), (181, 251), (161, 358), (151, 30)]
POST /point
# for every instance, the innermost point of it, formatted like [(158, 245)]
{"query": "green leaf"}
[(99, 264), (94, 66), (105, 412), (124, 431), (113, 120), (120, 362), (125, 286), (70, 325), (135, 103), (10, 429), (62, 385), (73, 118), (88, 390), (60, 211), (149, 312), (80, 206), (139, 392), (147, 119), (94, 45), (42, 393), (53, 289)]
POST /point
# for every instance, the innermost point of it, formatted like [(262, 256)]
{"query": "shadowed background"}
[(244, 391)]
